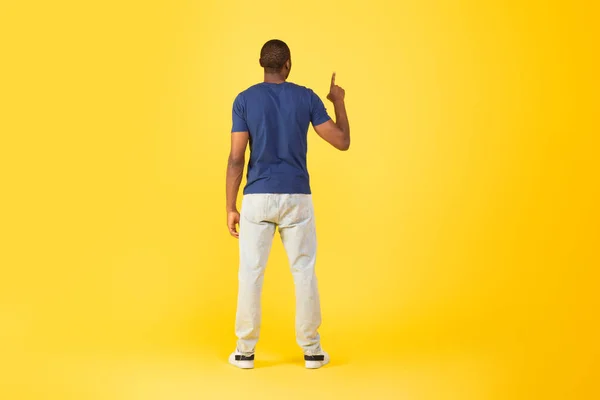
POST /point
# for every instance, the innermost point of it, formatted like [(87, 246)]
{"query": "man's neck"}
[(274, 78)]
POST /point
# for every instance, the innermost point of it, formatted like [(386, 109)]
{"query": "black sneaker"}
[(241, 361), (315, 361)]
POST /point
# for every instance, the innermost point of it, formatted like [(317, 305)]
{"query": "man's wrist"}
[(232, 209)]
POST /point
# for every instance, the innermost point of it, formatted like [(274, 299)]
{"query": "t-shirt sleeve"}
[(318, 112), (239, 115)]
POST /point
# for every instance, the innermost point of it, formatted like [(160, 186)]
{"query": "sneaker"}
[(316, 360), (241, 361)]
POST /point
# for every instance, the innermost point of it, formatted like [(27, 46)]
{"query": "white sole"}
[(315, 364), (242, 364)]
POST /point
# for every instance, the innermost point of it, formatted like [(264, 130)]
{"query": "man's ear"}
[(288, 64), (260, 61)]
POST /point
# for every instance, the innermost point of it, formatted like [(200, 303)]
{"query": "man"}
[(274, 116)]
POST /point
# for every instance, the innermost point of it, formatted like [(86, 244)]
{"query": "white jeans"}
[(293, 214)]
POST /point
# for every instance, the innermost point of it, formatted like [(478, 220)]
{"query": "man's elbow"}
[(344, 146), (235, 161)]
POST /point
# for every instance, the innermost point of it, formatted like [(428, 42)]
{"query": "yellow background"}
[(458, 236)]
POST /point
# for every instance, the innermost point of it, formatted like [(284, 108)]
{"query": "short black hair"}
[(274, 55)]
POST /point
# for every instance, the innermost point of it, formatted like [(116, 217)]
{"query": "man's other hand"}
[(233, 219)]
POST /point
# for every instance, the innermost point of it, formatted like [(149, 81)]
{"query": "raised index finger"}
[(333, 80)]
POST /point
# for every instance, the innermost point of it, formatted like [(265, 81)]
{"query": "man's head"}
[(275, 58)]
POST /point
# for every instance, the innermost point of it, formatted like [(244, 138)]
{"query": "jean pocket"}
[(252, 209)]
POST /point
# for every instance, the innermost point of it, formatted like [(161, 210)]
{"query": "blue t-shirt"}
[(277, 117)]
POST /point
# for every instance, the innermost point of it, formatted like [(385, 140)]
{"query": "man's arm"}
[(235, 170), (336, 133)]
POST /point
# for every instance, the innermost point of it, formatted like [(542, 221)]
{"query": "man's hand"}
[(336, 133), (233, 219), (336, 93)]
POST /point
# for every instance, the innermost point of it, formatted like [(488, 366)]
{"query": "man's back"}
[(277, 117)]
